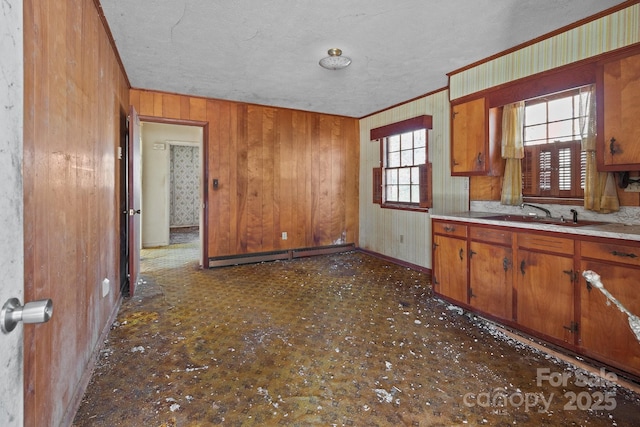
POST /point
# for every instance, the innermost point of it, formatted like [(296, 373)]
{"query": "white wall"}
[(11, 207), (155, 177), (380, 229)]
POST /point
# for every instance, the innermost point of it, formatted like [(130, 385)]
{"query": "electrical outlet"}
[(633, 187), (284, 235), (105, 287)]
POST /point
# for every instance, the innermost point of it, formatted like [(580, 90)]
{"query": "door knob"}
[(32, 312)]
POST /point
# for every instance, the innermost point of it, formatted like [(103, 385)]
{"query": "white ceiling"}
[(267, 52)]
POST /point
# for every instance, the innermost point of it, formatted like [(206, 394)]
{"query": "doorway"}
[(172, 182)]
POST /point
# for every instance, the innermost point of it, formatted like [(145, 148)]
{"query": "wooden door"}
[(469, 138), (491, 278), (450, 267), (134, 191), (604, 329), (621, 150), (545, 286)]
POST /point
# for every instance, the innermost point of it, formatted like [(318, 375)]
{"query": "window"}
[(553, 164), (404, 179)]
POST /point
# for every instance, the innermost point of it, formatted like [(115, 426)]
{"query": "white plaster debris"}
[(137, 349), (385, 396), (174, 407), (388, 365), (455, 308), (634, 321)]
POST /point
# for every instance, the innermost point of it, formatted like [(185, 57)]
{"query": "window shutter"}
[(528, 173), (425, 185), (377, 185)]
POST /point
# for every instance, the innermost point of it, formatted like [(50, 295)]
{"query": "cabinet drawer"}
[(491, 235), (611, 252), (546, 243), (450, 229)]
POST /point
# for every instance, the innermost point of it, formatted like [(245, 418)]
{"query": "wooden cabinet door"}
[(490, 279), (450, 267), (620, 149), (545, 288), (604, 330), (469, 146)]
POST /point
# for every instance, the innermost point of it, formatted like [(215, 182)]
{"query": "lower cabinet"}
[(533, 281), (545, 294), (490, 272), (450, 267), (605, 332)]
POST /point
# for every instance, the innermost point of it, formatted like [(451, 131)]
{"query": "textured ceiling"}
[(267, 52)]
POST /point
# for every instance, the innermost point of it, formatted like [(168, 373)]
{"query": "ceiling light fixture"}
[(335, 60)]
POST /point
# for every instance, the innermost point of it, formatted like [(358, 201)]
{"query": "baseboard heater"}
[(289, 254)]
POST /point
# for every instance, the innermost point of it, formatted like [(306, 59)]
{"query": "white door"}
[(11, 203)]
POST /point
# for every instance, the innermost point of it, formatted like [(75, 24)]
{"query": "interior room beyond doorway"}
[(171, 181)]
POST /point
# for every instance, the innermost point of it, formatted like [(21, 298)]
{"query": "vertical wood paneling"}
[(268, 181), (254, 179), (74, 91), (242, 161), (279, 170)]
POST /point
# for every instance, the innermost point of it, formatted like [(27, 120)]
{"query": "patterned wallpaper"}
[(605, 34), (184, 189)]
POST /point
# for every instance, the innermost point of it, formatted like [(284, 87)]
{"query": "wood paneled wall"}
[(74, 91), (279, 170)]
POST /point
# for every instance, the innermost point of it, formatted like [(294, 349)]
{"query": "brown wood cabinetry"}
[(450, 260), (619, 147), (533, 281), (545, 281), (469, 139), (604, 330), (490, 272)]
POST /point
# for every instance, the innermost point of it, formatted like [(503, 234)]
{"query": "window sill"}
[(404, 207)]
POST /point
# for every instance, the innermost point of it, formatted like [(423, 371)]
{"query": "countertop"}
[(609, 230)]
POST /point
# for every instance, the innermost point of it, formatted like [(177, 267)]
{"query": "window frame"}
[(381, 134), (531, 162)]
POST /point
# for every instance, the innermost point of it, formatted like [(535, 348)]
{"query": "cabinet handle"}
[(522, 264), (471, 294), (435, 245), (449, 229), (479, 159), (624, 254), (471, 254), (461, 254), (573, 327), (612, 146)]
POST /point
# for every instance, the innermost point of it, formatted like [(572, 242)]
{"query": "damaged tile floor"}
[(335, 340)]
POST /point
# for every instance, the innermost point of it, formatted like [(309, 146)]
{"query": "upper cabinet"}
[(474, 150), (619, 88)]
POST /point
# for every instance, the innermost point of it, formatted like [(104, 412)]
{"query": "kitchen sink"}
[(531, 219)]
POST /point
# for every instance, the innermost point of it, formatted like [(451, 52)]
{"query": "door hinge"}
[(573, 327), (572, 274)]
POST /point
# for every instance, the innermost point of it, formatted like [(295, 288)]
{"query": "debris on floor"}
[(344, 339)]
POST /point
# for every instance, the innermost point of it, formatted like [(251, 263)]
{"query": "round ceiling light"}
[(335, 60)]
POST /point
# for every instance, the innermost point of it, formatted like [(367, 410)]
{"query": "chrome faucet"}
[(547, 212)]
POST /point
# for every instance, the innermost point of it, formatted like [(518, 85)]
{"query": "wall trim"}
[(285, 254), (397, 261)]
